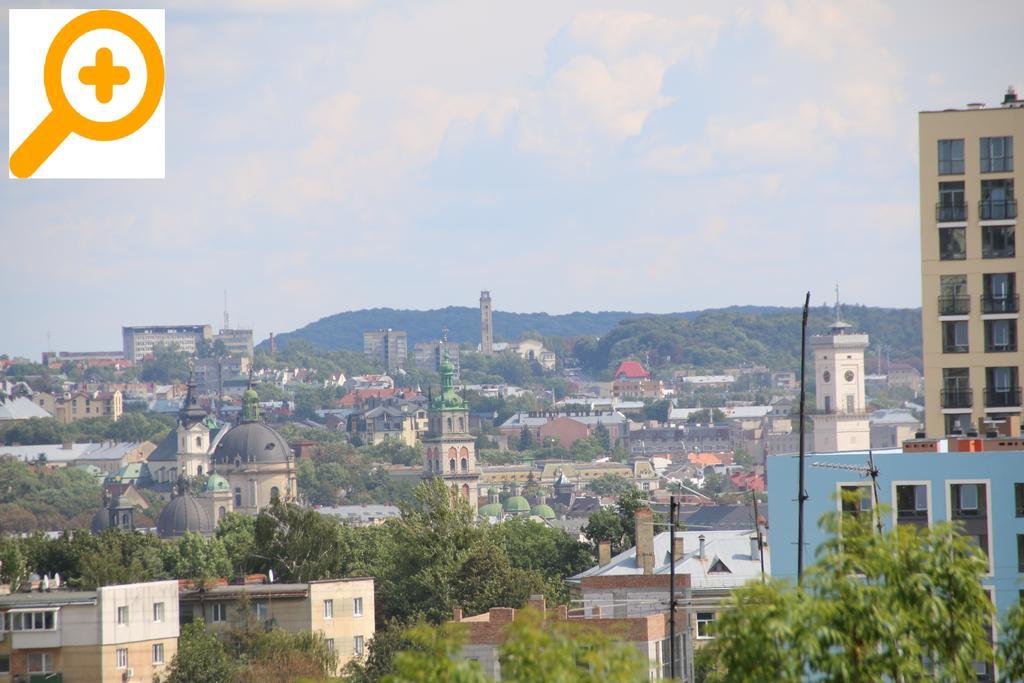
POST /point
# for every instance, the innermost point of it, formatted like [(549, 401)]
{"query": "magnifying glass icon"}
[(63, 119)]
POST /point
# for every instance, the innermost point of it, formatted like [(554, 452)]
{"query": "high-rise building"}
[(429, 355), (139, 342), (236, 342), (388, 347), (840, 419), (486, 324), (970, 305)]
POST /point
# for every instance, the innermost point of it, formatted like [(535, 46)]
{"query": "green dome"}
[(543, 510), (517, 505), (217, 483), (491, 510)]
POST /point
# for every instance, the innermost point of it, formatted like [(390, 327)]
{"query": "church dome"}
[(217, 483), (183, 514), (251, 442), (543, 510), (517, 505), (491, 510)]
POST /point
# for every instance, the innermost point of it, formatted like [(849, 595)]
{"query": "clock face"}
[(827, 376), (849, 375)]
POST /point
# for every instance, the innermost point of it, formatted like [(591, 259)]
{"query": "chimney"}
[(1011, 96), (680, 547), (457, 614), (645, 540), (536, 602), (604, 553), (1012, 425), (66, 445), (702, 553), (755, 548)]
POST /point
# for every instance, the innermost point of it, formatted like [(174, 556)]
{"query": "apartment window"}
[(33, 621), (968, 500), (1018, 498), (997, 241), (1001, 388), (220, 612), (357, 607), (41, 662), (953, 297), (951, 157), (328, 609), (158, 653), (996, 154), (5, 664), (997, 202), (855, 499), (704, 622), (1000, 335), (999, 293), (956, 388), (259, 609), (330, 644), (952, 202), (122, 657), (122, 615), (911, 501), (238, 497), (158, 611), (1020, 553), (954, 336), (952, 244), (358, 645)]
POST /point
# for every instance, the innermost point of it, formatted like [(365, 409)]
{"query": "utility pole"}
[(802, 493), (757, 527), (673, 651)]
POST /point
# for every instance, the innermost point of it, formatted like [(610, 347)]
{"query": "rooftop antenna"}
[(868, 470), (802, 491)]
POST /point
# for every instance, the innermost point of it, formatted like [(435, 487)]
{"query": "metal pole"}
[(757, 527), (801, 493), (672, 586)]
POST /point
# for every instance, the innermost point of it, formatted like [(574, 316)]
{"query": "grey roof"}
[(20, 408), (524, 419), (722, 517), (57, 453), (362, 513), (166, 450), (183, 514), (893, 416), (252, 442), (47, 599)]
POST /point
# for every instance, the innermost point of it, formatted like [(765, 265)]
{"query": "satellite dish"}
[(271, 575)]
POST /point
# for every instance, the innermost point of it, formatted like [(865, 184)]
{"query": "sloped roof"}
[(631, 369), (20, 408)]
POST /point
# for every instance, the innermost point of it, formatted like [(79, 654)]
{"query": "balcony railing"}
[(1002, 398), (996, 209), (947, 212), (1005, 303), (957, 398), (959, 304)]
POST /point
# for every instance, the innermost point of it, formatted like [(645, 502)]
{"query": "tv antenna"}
[(868, 470)]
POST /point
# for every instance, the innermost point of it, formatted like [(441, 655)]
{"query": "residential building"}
[(486, 324), (236, 342), (427, 355), (340, 609), (140, 341), (222, 376), (386, 423), (535, 422), (388, 347), (17, 408), (905, 376), (114, 634), (840, 417), (970, 304), (631, 370), (78, 405), (891, 427), (107, 456), (977, 483), (90, 359)]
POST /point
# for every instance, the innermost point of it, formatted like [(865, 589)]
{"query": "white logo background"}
[(139, 155)]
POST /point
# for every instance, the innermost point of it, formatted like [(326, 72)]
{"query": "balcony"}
[(997, 209), (951, 212), (1004, 303), (954, 305), (957, 398), (1002, 398)]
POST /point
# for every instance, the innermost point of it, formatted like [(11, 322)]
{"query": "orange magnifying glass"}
[(63, 119)]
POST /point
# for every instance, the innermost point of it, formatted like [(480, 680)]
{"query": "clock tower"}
[(840, 417)]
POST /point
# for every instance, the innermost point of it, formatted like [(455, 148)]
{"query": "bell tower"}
[(193, 435), (449, 448)]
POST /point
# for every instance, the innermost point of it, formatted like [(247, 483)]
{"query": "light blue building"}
[(982, 490)]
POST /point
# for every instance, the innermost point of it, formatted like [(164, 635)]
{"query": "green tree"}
[(603, 436), (1011, 645), (525, 439), (610, 485), (433, 658), (298, 543), (200, 658), (195, 557)]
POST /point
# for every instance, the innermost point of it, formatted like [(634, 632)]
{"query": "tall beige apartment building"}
[(970, 305)]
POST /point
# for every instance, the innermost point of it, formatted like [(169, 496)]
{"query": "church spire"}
[(191, 412), (251, 402), (448, 399)]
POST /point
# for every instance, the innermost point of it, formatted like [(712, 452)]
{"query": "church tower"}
[(193, 435), (486, 325), (449, 448), (840, 419)]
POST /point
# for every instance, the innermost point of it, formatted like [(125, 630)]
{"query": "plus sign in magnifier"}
[(102, 77)]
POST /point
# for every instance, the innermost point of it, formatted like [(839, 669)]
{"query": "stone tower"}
[(193, 435), (840, 419), (449, 448), (486, 324)]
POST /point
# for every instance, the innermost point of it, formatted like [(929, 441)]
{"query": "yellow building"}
[(115, 634), (341, 609), (80, 404), (970, 305)]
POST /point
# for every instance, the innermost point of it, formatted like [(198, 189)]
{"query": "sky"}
[(325, 156)]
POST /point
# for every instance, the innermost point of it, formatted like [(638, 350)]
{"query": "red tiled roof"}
[(356, 397), (631, 369)]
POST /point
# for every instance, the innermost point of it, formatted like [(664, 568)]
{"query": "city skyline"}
[(317, 150)]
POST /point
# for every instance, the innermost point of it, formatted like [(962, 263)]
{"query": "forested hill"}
[(712, 338)]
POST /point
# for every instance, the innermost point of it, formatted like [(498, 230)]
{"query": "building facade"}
[(970, 304), (78, 405), (840, 417), (236, 342), (428, 356), (139, 342), (388, 347)]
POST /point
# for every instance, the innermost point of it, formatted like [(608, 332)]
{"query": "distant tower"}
[(193, 435), (449, 448), (840, 421), (486, 324)]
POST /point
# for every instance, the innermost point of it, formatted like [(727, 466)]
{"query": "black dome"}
[(183, 514), (252, 442)]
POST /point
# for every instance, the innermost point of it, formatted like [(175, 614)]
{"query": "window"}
[(968, 500), (1018, 497), (704, 622), (1000, 335), (275, 493), (122, 657), (220, 612), (952, 244), (855, 498), (330, 644), (997, 202), (122, 615), (451, 465), (238, 497), (357, 607), (951, 157), (464, 464), (32, 621), (259, 609), (953, 297), (41, 662), (912, 500), (158, 653), (996, 155), (1020, 553), (328, 609), (358, 645), (999, 293), (952, 202), (5, 664), (954, 336), (1001, 388), (997, 241), (158, 611)]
